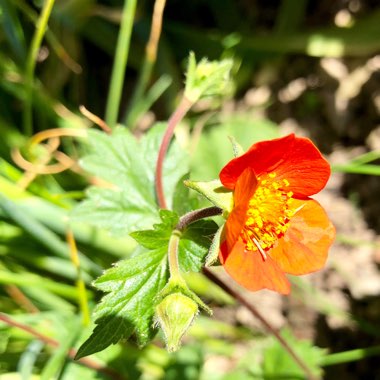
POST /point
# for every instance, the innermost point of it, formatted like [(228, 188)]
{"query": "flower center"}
[(268, 214)]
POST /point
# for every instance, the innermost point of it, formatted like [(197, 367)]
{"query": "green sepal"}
[(237, 149), (215, 192), (213, 252), (178, 285)]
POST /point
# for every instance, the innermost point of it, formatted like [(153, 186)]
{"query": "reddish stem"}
[(21, 298), (177, 116), (71, 353), (195, 215)]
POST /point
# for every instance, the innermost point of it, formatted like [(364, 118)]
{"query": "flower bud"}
[(174, 314), (207, 78)]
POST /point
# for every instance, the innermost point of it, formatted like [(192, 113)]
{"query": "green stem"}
[(177, 116), (173, 255), (121, 57), (31, 64), (365, 158), (369, 169), (349, 356)]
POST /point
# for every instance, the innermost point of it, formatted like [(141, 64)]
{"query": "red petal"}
[(251, 271), (245, 188), (304, 247), (295, 158)]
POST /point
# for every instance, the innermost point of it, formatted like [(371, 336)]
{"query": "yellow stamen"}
[(268, 214)]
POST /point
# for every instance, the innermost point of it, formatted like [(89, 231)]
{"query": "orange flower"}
[(274, 227)]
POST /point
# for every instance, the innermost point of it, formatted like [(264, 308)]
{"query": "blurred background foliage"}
[(304, 66)]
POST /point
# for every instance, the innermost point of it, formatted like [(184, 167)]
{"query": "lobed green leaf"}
[(134, 284), (128, 203), (128, 308)]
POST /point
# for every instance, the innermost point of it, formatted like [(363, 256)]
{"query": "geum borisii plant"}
[(272, 226)]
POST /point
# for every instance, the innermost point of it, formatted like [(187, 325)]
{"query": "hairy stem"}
[(53, 343), (195, 215), (177, 116), (173, 255), (228, 289)]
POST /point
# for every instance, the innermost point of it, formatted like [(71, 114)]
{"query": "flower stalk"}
[(173, 256), (177, 306), (203, 79)]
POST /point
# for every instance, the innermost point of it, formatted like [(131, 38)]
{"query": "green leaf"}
[(133, 284), (128, 308), (160, 236), (118, 212), (278, 362), (194, 245), (128, 166)]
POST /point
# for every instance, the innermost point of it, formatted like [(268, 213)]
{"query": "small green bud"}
[(207, 78), (174, 314)]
